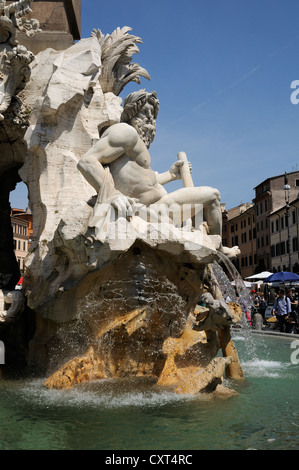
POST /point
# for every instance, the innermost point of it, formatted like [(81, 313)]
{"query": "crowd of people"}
[(285, 309)]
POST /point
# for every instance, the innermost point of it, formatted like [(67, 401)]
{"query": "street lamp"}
[(287, 189)]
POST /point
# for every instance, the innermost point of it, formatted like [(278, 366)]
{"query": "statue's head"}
[(135, 101), (133, 113)]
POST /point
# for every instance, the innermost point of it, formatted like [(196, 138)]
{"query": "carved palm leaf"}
[(117, 50)]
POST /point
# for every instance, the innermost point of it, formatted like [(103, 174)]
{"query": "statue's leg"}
[(206, 196), (209, 198)]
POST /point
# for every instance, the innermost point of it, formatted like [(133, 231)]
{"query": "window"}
[(295, 244), (293, 217), (282, 223), (272, 227), (282, 248)]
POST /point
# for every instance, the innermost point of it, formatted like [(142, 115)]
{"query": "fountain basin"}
[(263, 416)]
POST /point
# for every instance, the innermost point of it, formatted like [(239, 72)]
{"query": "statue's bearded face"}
[(145, 124)]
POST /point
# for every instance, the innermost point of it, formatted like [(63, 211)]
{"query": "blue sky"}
[(222, 70)]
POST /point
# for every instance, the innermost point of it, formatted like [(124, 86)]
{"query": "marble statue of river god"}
[(123, 148), (120, 278)]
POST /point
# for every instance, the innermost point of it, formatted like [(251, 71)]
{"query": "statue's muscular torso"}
[(131, 170)]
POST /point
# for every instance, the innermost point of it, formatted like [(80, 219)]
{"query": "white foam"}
[(264, 367), (35, 392), (238, 338)]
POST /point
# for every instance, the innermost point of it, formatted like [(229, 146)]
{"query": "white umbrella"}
[(262, 275)]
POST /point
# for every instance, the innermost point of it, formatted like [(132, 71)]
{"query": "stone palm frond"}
[(117, 50)]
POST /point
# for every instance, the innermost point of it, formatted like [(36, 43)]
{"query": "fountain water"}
[(238, 292), (116, 321)]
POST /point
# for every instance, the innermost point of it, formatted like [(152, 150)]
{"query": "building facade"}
[(269, 198), (21, 222), (239, 229), (279, 238)]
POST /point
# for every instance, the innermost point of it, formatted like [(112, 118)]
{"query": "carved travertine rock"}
[(14, 58), (67, 113), (117, 264), (11, 305), (12, 18)]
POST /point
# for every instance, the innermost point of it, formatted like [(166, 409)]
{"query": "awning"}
[(260, 276)]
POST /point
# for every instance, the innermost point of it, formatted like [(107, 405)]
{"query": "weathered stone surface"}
[(114, 291)]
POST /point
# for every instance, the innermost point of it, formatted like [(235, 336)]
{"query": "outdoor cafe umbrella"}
[(259, 276), (282, 276)]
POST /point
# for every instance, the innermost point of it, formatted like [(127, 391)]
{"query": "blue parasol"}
[(282, 276)]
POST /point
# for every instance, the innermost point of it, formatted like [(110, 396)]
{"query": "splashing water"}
[(238, 294)]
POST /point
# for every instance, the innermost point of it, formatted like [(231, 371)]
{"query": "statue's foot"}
[(230, 252)]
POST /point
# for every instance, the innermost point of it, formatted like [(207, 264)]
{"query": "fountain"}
[(123, 279)]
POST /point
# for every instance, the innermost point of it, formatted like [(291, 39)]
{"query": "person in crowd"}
[(291, 320), (254, 303), (281, 308), (262, 306)]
